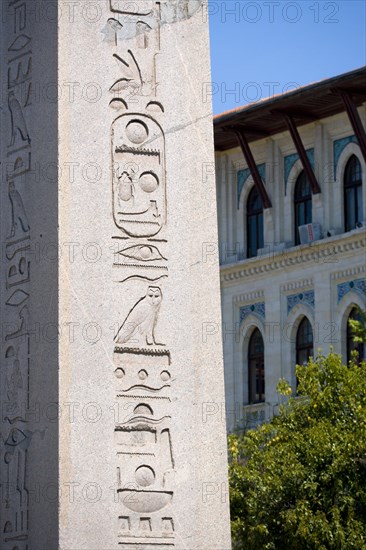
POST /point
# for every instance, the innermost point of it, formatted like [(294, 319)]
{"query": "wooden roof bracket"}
[(315, 187), (248, 155), (354, 119)]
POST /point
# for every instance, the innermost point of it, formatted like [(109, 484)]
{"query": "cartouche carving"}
[(139, 194)]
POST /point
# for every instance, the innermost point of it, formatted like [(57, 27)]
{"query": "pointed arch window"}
[(255, 237), (302, 203), (353, 211), (304, 342), (351, 344), (256, 368)]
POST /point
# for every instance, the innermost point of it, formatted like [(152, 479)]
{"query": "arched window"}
[(303, 204), (352, 194), (351, 344), (304, 342), (256, 368), (254, 223)]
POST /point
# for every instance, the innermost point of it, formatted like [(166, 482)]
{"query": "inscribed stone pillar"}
[(113, 416)]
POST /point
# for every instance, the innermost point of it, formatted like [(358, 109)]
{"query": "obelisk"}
[(113, 432)]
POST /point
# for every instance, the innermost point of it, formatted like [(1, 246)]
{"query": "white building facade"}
[(288, 292)]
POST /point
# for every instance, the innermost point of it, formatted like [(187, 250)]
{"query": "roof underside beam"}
[(243, 142), (315, 187), (355, 120)]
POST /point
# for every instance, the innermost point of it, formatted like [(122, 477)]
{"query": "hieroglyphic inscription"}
[(143, 366), (139, 175), (16, 353), (145, 457)]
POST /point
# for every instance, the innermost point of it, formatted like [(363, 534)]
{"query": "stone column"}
[(129, 449)]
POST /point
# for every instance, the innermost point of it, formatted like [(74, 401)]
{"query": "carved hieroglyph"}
[(138, 175), (16, 367), (146, 135), (144, 447), (143, 365), (138, 328)]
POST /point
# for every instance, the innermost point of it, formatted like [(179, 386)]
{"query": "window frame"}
[(256, 361), (299, 200), (258, 216), (352, 190), (306, 346)]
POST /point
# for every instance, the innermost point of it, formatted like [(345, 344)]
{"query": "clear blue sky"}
[(262, 47)]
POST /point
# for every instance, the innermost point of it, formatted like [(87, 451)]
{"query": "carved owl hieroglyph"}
[(138, 327)]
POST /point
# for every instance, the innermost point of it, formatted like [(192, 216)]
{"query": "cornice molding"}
[(297, 285), (351, 272), (324, 251), (248, 297)]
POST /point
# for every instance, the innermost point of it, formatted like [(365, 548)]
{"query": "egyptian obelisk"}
[(108, 212)]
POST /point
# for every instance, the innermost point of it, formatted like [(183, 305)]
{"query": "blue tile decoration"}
[(358, 285), (243, 176), (290, 161), (258, 308), (338, 147), (301, 298)]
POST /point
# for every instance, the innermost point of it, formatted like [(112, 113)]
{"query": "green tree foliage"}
[(299, 482), (358, 326)]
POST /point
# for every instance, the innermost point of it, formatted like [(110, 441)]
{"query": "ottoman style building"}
[(291, 189)]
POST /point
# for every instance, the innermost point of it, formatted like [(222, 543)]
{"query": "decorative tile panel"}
[(306, 298), (338, 147), (358, 285), (290, 160), (243, 176), (258, 308)]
